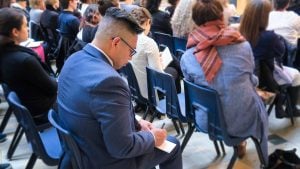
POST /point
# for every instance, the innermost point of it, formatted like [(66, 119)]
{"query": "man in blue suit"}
[(94, 103)]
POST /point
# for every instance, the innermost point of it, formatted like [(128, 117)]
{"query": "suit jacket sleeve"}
[(111, 107)]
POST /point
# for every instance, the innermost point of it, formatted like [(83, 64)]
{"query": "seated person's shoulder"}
[(269, 35)]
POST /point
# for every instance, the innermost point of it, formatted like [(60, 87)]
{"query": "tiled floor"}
[(199, 152)]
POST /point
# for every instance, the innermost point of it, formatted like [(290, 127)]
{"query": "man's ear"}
[(115, 41)]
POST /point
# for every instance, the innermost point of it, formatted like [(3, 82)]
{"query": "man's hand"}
[(160, 135), (146, 125)]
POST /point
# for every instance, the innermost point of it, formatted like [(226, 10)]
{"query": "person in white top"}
[(182, 22), (283, 22), (147, 52)]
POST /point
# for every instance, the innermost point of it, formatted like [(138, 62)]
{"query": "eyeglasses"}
[(132, 50)]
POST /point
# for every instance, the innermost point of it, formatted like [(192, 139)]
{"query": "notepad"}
[(31, 43), (166, 57), (167, 146)]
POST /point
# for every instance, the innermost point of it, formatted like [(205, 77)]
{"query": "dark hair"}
[(280, 4), (126, 18), (89, 12), (151, 5), (4, 3), (64, 4), (141, 15), (10, 18), (105, 4), (173, 2), (206, 10)]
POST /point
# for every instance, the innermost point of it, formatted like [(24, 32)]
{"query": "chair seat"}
[(162, 104), (51, 142)]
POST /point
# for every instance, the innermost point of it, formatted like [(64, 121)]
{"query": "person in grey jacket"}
[(219, 57)]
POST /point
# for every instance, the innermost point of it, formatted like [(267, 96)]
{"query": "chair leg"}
[(217, 147), (233, 158), (289, 109), (15, 142), (31, 161), (271, 107), (5, 119), (176, 127), (181, 128), (222, 147), (146, 112), (259, 152), (153, 116), (188, 135)]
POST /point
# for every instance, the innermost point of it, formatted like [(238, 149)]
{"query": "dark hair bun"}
[(101, 2)]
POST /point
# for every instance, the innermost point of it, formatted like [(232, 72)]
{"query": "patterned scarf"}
[(206, 38)]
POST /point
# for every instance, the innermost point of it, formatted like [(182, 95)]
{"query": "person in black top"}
[(49, 17), (68, 29), (21, 69), (160, 19)]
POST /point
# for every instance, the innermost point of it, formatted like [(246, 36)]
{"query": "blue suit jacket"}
[(94, 103)]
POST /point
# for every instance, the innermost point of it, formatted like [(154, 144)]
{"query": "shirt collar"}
[(108, 58)]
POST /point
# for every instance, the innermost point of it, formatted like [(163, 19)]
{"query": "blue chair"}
[(136, 95), (45, 145), (8, 112), (179, 43), (207, 99), (69, 143), (164, 40), (173, 104), (35, 31), (19, 131)]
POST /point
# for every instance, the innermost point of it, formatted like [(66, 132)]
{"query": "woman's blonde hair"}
[(255, 19), (35, 4)]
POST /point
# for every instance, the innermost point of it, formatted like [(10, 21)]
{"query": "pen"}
[(163, 125)]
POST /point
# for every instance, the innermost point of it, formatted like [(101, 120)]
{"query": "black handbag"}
[(284, 159)]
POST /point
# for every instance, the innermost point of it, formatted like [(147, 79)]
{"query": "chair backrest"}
[(164, 39), (164, 83), (70, 144), (6, 90), (133, 84), (179, 43), (208, 100), (51, 36), (24, 118), (35, 31)]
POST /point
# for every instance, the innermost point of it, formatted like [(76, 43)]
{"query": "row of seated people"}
[(210, 78), (213, 74)]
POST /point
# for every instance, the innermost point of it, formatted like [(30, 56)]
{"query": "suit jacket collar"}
[(91, 50)]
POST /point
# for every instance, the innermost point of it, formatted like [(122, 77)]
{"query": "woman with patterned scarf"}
[(220, 58)]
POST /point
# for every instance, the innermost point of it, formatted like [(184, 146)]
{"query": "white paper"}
[(167, 146), (166, 57), (138, 117), (30, 43)]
